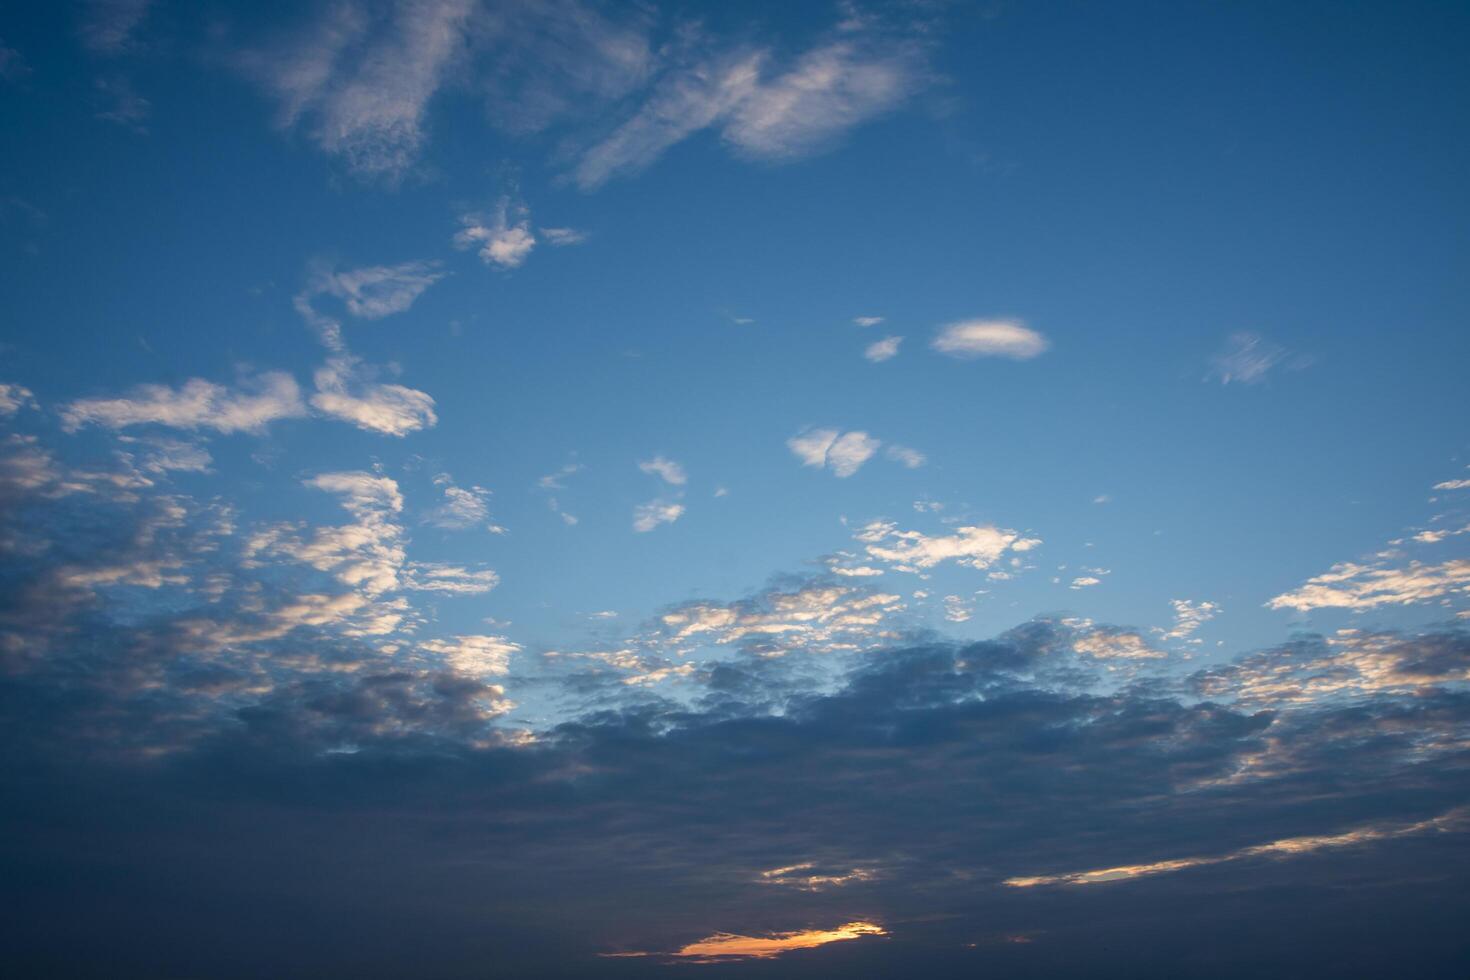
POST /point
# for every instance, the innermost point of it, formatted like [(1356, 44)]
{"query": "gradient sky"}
[(493, 488)]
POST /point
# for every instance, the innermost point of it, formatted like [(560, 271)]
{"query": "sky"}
[(507, 488)]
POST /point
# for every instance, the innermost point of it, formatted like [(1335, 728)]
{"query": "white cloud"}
[(463, 507), (1246, 358), (976, 547), (910, 458), (345, 392), (867, 321), (564, 236), (665, 469), (1111, 643), (363, 86), (813, 618), (829, 90), (197, 404), (369, 293), (1085, 581), (990, 338), (1353, 586), (439, 577), (1446, 485), (882, 350), (478, 655), (13, 398), (843, 454), (504, 235), (648, 516), (765, 115), (957, 609), (1189, 616)]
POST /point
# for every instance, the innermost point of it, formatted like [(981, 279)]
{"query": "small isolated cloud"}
[(1453, 485), (648, 516), (844, 454), (463, 507), (1085, 581), (121, 103), (957, 609), (976, 547), (13, 398), (882, 350), (197, 404), (867, 321), (1189, 616), (503, 235), (909, 458), (1246, 358), (564, 236), (665, 469), (346, 391), (990, 338)]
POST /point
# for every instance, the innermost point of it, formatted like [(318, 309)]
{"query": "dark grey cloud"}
[(209, 774)]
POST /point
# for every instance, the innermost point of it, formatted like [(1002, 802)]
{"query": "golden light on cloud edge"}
[(727, 946), (1454, 820)]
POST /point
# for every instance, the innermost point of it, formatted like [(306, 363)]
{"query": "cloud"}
[(1246, 358), (121, 103), (990, 338), (1454, 820), (648, 516), (108, 26), (909, 458), (15, 397), (867, 321), (665, 469), (1085, 581), (976, 547), (815, 617), (503, 235), (360, 84), (369, 293), (345, 392), (564, 236), (1453, 485), (463, 507), (1350, 585), (474, 655), (762, 114), (197, 404), (1189, 616), (882, 350), (844, 454)]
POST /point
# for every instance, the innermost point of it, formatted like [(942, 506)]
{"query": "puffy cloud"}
[(882, 350), (345, 392), (13, 398), (197, 404), (474, 655), (665, 469), (990, 338), (504, 235), (648, 516), (976, 547), (844, 454)]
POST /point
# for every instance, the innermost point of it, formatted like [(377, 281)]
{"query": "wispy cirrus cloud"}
[(196, 404)]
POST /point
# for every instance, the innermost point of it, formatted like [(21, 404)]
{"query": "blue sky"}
[(590, 353)]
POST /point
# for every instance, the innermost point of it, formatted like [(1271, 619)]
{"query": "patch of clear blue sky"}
[(1135, 181)]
